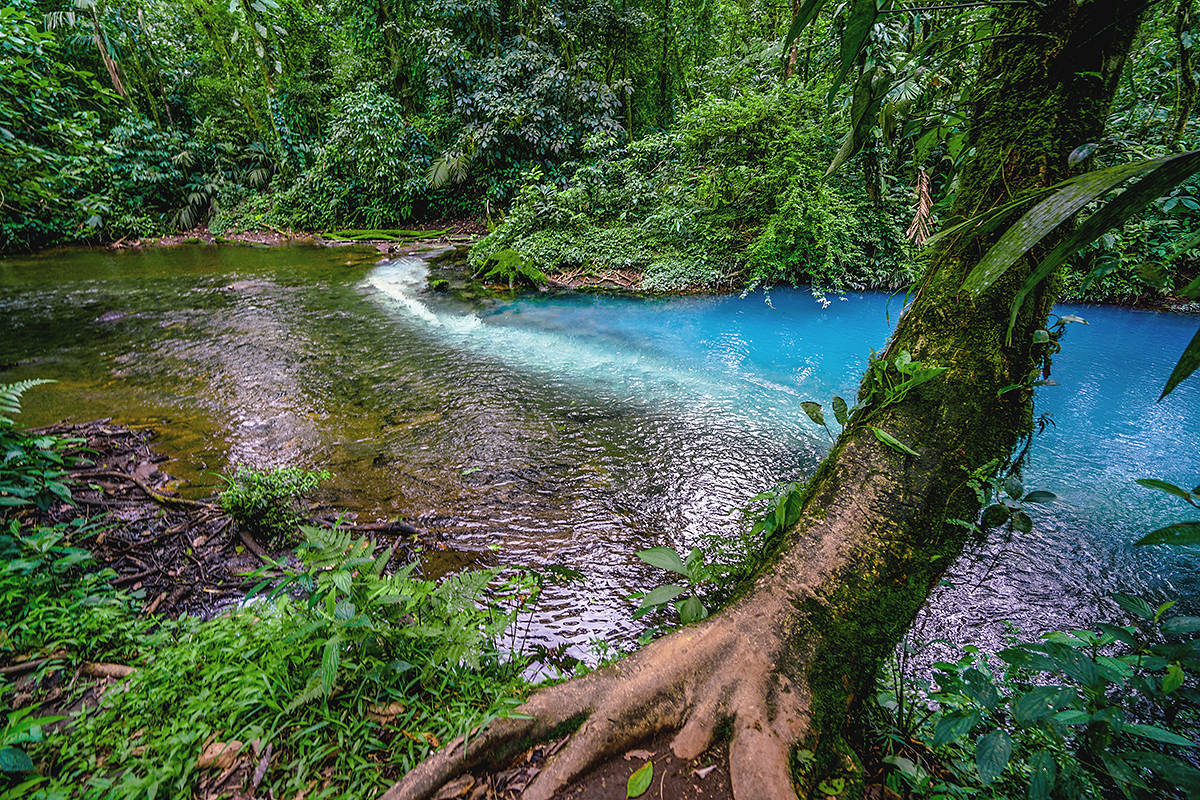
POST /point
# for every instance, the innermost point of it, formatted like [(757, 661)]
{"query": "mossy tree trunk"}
[(788, 663)]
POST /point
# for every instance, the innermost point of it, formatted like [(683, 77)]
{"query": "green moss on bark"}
[(1046, 87)]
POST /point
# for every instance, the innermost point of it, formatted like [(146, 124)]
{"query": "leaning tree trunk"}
[(788, 663)]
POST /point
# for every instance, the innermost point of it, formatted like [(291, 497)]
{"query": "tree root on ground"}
[(715, 677), (158, 497)]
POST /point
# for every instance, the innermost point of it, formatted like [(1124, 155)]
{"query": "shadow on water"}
[(576, 429)]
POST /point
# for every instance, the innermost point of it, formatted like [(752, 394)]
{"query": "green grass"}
[(352, 674), (352, 671), (235, 678)]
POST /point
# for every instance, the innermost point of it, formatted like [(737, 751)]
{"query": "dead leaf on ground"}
[(702, 772), (385, 714), (219, 755), (260, 771), (423, 736), (644, 755)]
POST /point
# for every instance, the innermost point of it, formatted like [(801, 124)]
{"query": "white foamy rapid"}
[(619, 369)]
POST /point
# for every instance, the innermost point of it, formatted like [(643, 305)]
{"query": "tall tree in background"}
[(1185, 88), (788, 663)]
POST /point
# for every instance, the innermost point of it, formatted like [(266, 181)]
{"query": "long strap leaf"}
[(1154, 184), (863, 14), (985, 222), (1192, 290), (1188, 363), (868, 96), (1048, 216)]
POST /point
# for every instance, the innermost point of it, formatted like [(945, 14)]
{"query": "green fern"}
[(10, 398), (509, 266), (326, 547)]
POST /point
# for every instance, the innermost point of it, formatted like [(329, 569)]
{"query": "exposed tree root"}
[(787, 664), (776, 669), (722, 675), (158, 497)]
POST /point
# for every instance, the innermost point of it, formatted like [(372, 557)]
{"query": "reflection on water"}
[(575, 428)]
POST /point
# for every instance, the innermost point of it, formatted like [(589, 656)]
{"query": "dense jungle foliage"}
[(694, 144), (675, 139)]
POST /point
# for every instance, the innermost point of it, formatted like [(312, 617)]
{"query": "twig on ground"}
[(255, 547)]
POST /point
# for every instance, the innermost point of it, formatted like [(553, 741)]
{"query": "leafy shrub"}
[(1080, 714), (142, 176), (268, 502), (369, 170), (1145, 259), (33, 467), (733, 194), (525, 106), (50, 600), (359, 680), (49, 134)]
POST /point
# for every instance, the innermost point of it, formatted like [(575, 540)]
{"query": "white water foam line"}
[(620, 372)]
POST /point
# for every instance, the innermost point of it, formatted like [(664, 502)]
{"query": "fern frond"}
[(439, 172), (448, 168), (382, 561), (326, 546)]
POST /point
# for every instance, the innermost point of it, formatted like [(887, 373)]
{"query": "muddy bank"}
[(184, 556)]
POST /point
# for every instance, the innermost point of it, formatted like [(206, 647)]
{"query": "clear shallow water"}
[(578, 429)]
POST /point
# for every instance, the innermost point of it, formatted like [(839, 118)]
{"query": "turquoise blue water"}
[(735, 370), (576, 428)]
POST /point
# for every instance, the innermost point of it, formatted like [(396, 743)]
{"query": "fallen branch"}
[(27, 666), (150, 609), (125, 580), (388, 527), (256, 548)]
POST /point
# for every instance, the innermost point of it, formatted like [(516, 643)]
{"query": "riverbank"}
[(132, 667), (414, 240), (182, 555), (157, 565), (463, 234), (168, 690)]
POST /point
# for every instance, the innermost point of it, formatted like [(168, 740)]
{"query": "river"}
[(580, 428)]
